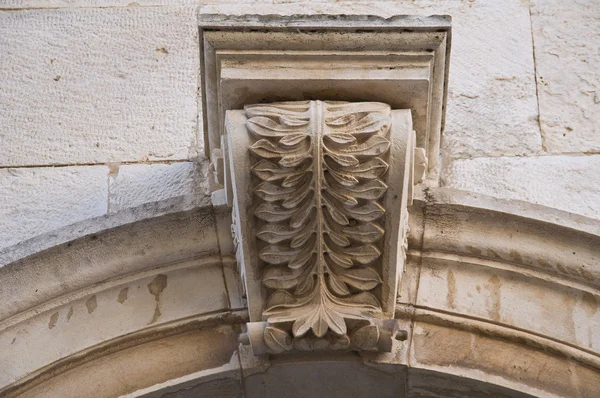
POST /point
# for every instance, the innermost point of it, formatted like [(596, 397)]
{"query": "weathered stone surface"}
[(106, 255), (134, 185), (527, 369), (34, 201), (110, 311), (19, 4), (570, 183), (140, 366), (336, 379), (566, 36), (98, 85), (492, 105), (507, 298)]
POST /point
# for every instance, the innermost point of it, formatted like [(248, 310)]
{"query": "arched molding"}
[(492, 296)]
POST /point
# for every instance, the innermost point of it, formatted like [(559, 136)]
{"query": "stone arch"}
[(498, 297)]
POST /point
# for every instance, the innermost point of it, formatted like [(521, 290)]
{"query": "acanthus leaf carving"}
[(320, 254), (319, 169)]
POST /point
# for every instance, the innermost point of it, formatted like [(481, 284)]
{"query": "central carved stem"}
[(320, 167)]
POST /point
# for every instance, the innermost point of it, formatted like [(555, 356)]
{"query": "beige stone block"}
[(20, 4), (566, 36), (136, 184), (510, 298), (141, 366), (35, 201), (95, 85), (570, 183), (106, 255), (109, 312), (500, 361)]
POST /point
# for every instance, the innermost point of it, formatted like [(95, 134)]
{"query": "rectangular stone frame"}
[(401, 60)]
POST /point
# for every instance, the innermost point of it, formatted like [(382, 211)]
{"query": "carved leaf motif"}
[(361, 278), (337, 285), (364, 233), (280, 278), (280, 299), (272, 212), (320, 169), (277, 340), (266, 127), (366, 338), (375, 145)]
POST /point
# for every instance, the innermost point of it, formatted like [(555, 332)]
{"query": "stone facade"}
[(157, 245), (509, 105)]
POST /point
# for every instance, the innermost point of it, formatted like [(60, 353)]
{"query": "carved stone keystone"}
[(320, 172), (320, 193)]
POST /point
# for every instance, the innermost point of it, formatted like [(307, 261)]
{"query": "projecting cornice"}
[(402, 61)]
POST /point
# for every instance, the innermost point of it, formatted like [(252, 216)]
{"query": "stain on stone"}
[(156, 287), (587, 274), (69, 314), (516, 256), (158, 284), (492, 252), (570, 303), (91, 304), (156, 314), (113, 169), (561, 268), (57, 78), (162, 50), (474, 250), (589, 304), (53, 320), (544, 263), (451, 295), (13, 341), (478, 288), (123, 295), (495, 284)]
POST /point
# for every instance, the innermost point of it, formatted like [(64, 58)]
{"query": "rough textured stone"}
[(503, 297), (492, 105), (98, 85), (528, 369), (134, 185), (18, 4), (38, 200), (570, 183), (110, 311), (566, 36)]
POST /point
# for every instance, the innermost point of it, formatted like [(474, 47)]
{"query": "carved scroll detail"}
[(319, 170)]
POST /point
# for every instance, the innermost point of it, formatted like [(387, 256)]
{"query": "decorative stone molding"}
[(320, 192), (402, 61), (320, 172)]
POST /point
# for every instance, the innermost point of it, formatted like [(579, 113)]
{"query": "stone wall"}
[(99, 103)]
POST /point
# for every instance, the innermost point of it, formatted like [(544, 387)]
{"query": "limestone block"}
[(137, 367), (492, 104), (570, 183), (136, 184), (526, 369), (110, 311), (98, 85), (34, 201), (19, 4), (509, 298), (566, 36)]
